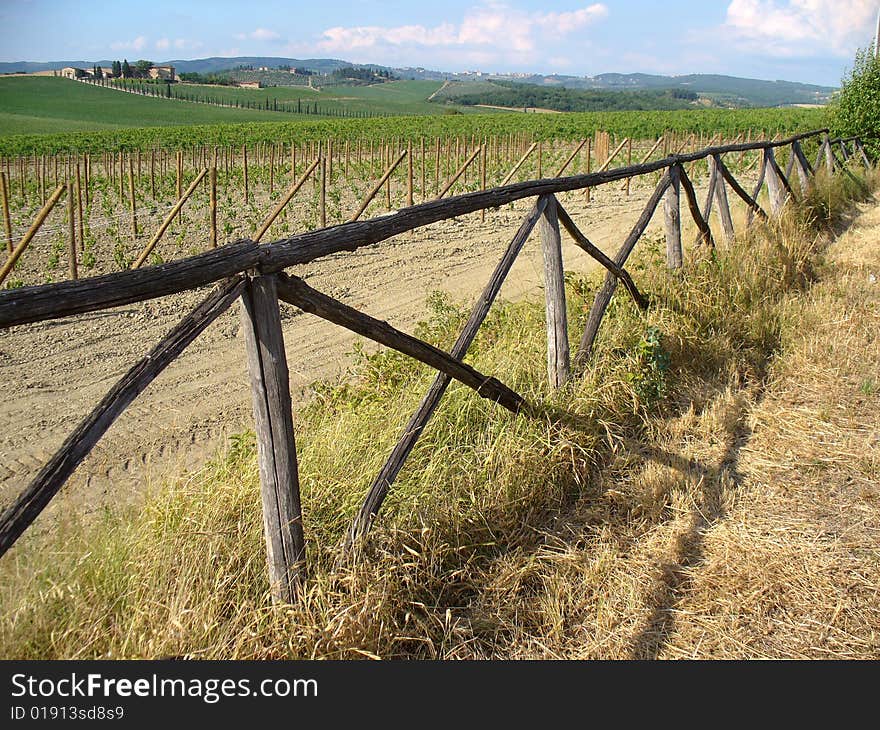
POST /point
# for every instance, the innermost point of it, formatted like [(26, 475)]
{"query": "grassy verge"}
[(572, 534)]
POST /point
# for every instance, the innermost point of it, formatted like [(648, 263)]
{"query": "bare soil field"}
[(55, 372)]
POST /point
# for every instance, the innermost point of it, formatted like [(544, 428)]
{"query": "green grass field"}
[(401, 98), (45, 105)]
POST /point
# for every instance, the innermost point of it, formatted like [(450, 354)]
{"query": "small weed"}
[(652, 361), (89, 260), (55, 255), (123, 261), (241, 446)]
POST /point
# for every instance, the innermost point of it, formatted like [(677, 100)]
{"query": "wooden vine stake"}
[(179, 177), (71, 231), (131, 198), (214, 206), (88, 176), (519, 164), (148, 249), (458, 173), (31, 232), (629, 159), (409, 176), (378, 186), (276, 447), (272, 169), (4, 192), (323, 192), (245, 163), (423, 165), (589, 156), (483, 157), (79, 209), (285, 200)]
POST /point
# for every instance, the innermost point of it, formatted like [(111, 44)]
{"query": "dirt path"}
[(55, 372)]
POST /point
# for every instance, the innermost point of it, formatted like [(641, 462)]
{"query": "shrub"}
[(857, 110)]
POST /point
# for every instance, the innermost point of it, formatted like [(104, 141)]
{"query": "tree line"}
[(517, 95), (299, 106)]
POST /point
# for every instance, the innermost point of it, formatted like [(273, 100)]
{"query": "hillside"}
[(752, 92), (728, 90), (45, 105), (42, 105), (723, 90)]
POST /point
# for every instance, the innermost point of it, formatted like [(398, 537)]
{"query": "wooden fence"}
[(254, 273)]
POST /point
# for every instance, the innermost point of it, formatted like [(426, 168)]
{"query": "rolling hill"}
[(724, 90)]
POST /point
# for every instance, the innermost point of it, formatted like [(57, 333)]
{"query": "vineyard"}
[(398, 98), (48, 116), (71, 215)]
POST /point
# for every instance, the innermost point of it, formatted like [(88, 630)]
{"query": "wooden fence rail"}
[(255, 274)]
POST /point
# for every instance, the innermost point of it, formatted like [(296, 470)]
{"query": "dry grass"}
[(723, 506)]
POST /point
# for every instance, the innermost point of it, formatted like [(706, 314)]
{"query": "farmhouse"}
[(250, 85), (69, 72), (163, 73)]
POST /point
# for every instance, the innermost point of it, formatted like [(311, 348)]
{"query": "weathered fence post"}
[(276, 447), (774, 183), (558, 359), (829, 153), (705, 233), (801, 166), (721, 199), (672, 216), (603, 296), (864, 157)]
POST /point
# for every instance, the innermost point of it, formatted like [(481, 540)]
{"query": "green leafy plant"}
[(856, 111), (89, 260), (120, 257), (55, 255), (652, 362)]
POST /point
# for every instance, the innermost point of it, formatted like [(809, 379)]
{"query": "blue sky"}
[(799, 40)]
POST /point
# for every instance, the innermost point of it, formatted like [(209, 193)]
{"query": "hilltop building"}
[(163, 73), (70, 72)]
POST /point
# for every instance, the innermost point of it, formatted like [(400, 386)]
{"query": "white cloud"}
[(260, 34), (493, 32), (179, 44), (138, 44), (789, 28)]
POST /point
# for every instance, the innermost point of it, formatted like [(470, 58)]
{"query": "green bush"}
[(857, 109)]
